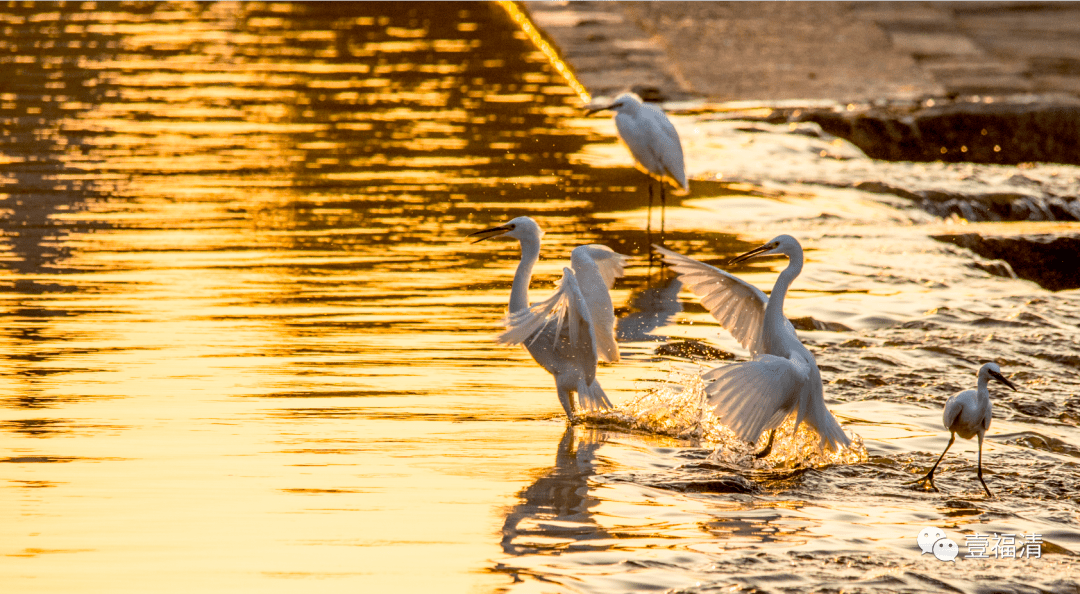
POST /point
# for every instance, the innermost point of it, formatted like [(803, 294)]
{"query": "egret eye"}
[(512, 227)]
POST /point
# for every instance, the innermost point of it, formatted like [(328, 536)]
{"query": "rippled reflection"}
[(559, 502)]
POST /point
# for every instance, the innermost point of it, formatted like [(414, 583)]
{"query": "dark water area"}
[(247, 345)]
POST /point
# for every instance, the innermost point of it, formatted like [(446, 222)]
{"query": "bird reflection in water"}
[(650, 308), (554, 514)]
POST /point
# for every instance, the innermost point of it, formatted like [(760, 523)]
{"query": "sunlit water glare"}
[(247, 346)]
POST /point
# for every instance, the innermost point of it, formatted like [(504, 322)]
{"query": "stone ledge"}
[(1050, 261)]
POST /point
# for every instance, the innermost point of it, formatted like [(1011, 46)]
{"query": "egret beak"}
[(754, 252), (592, 110), (492, 232), (1001, 378)]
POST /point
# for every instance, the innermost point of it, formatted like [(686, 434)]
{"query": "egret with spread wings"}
[(968, 414), (782, 377), (569, 332), (654, 143)]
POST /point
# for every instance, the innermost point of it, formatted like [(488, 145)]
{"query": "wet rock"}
[(997, 206), (809, 323), (944, 350), (730, 483), (855, 343), (1026, 316), (881, 360), (1070, 360), (995, 323), (868, 382), (1050, 261), (1042, 442), (915, 325), (1001, 132), (693, 349)]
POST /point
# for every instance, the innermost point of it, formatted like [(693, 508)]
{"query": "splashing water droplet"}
[(680, 409)]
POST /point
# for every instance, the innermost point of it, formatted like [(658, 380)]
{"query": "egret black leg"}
[(988, 493), (648, 224), (663, 211), (768, 446), (930, 475)]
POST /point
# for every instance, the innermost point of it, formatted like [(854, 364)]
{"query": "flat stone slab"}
[(609, 53), (839, 51)]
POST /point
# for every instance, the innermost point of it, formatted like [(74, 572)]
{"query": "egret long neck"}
[(519, 292), (983, 391), (774, 308)]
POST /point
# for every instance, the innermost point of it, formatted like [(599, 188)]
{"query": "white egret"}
[(570, 331), (968, 414), (782, 377), (653, 142)]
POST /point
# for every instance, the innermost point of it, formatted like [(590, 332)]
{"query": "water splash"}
[(679, 408)]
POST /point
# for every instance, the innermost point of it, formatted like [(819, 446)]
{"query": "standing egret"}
[(968, 413), (568, 332), (653, 142), (782, 377)]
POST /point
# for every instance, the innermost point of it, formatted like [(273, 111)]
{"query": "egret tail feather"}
[(832, 434), (753, 396)]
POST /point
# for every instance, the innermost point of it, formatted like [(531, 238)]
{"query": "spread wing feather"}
[(573, 338), (595, 269), (736, 304), (610, 264)]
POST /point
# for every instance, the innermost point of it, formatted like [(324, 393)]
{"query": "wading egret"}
[(568, 332), (653, 142), (757, 395), (968, 414)]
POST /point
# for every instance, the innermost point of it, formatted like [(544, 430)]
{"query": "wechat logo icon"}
[(933, 540)]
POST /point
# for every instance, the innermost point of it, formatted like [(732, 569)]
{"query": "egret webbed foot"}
[(927, 478), (930, 475)]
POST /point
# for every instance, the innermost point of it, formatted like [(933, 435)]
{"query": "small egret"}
[(568, 332), (968, 414), (782, 377), (653, 142)]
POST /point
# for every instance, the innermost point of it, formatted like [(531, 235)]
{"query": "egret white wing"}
[(573, 337), (610, 264), (756, 395), (595, 268), (668, 147), (635, 135), (736, 304), (953, 408)]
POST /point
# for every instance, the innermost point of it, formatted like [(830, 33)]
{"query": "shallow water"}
[(247, 347)]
